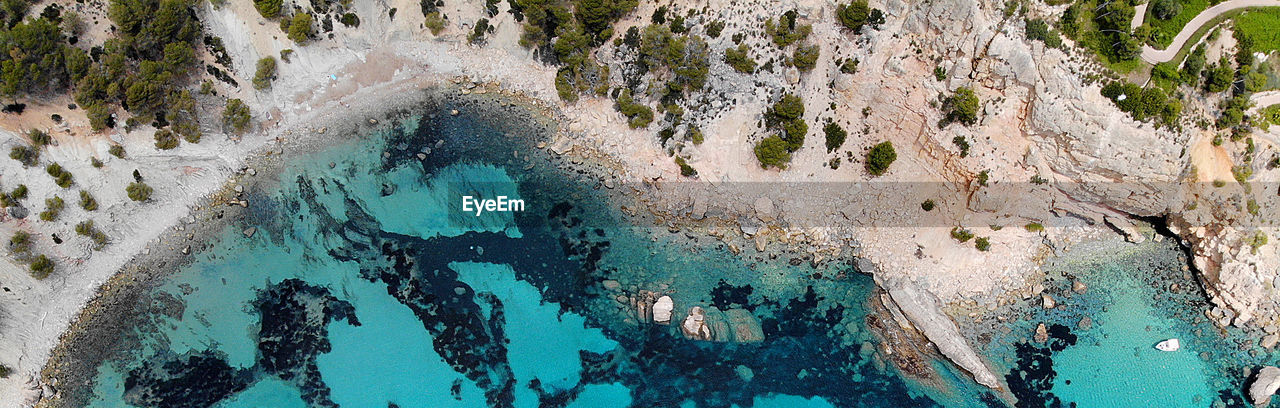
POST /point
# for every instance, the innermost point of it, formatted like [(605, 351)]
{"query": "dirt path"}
[(1154, 56)]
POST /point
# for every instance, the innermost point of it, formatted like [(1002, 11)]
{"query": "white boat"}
[(1169, 345)]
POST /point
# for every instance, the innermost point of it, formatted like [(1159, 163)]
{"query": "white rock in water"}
[(1049, 303), (694, 326), (1265, 386), (662, 310)]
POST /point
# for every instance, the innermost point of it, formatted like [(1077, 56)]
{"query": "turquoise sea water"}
[(366, 286)]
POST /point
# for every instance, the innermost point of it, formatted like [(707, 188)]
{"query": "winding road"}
[(1154, 56)]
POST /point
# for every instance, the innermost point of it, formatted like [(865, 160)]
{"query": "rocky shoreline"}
[(93, 336)]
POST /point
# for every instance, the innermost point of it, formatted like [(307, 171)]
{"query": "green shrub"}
[(60, 176), (138, 191), (854, 15), (983, 176), (962, 144), (961, 234), (349, 20), (5, 371), (116, 150), (740, 59), (685, 169), (639, 115), (695, 135), (265, 73), (236, 115), (1034, 227), (166, 139), (835, 136), (805, 58), (299, 30), (961, 107), (53, 208), (786, 30), (434, 22), (41, 267), (87, 202), (1258, 239), (772, 152), (714, 28), (86, 229), (26, 155), (39, 137), (20, 242), (268, 8), (880, 157), (19, 192), (849, 66), (98, 115), (927, 205), (478, 32), (982, 243), (939, 73), (1038, 30)]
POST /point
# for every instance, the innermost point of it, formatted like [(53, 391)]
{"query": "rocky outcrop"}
[(924, 312), (662, 310), (1264, 386), (731, 325)]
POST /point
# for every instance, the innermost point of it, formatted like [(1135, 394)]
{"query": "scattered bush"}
[(772, 152), (982, 243), (116, 150), (349, 20), (236, 115), (695, 135), (26, 155), (39, 137), (880, 157), (962, 144), (268, 8), (1034, 227), (961, 234), (434, 22), (805, 58), (138, 191), (265, 73), (850, 66), (638, 115), (961, 107), (86, 229), (786, 31), (983, 176), (299, 30), (788, 113), (853, 15), (927, 205), (41, 267), (740, 59), (87, 202), (19, 192), (166, 140), (1038, 30), (835, 136), (685, 169), (477, 33), (1258, 239), (1166, 9), (714, 28), (60, 176), (20, 243), (1144, 103), (53, 208)]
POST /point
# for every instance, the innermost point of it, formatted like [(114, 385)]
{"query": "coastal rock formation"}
[(922, 309), (731, 325), (1264, 386), (662, 310)]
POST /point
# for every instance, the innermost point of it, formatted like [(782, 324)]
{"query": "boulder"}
[(695, 326), (662, 310), (1264, 386), (1042, 334), (1049, 303), (1079, 287)]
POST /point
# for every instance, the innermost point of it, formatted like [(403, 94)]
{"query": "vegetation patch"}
[(880, 157), (1263, 26)]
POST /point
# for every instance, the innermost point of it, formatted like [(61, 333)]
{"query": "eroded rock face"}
[(1264, 386)]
